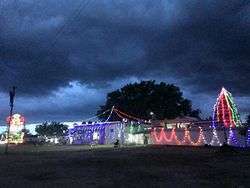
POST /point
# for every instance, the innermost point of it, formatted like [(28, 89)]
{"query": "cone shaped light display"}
[(225, 111)]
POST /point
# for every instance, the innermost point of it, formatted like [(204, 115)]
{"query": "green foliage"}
[(139, 99), (51, 129)]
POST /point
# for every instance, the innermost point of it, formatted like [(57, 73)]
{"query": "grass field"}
[(104, 166)]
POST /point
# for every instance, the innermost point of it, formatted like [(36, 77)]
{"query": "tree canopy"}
[(51, 129), (139, 99)]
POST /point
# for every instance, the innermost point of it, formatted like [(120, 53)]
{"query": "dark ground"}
[(151, 166)]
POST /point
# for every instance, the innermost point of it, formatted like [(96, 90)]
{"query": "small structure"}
[(97, 132)]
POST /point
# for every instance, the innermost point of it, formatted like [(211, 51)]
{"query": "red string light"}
[(174, 139), (125, 115)]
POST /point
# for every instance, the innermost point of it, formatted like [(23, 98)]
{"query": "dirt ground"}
[(104, 166)]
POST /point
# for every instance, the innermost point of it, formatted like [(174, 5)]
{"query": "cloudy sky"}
[(64, 55)]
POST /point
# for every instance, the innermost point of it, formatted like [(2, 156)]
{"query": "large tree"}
[(139, 99), (53, 129)]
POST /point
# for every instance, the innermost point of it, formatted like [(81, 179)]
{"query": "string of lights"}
[(232, 138), (125, 115), (215, 139), (162, 138), (200, 140), (111, 112), (94, 117), (224, 113), (248, 137)]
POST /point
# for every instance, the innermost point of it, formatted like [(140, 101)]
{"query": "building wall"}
[(104, 133), (114, 132)]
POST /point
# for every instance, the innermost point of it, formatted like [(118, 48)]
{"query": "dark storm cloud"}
[(46, 44), (209, 47)]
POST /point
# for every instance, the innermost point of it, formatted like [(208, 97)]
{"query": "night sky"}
[(65, 55)]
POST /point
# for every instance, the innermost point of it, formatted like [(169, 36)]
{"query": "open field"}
[(151, 166)]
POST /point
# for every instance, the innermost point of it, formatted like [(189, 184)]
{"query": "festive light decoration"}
[(95, 117), (125, 115), (170, 139), (101, 133), (135, 128), (215, 139), (203, 136), (16, 123), (200, 140), (232, 138), (108, 132), (160, 137), (111, 112), (225, 111), (183, 141), (163, 137), (135, 138), (175, 140), (236, 140), (248, 137), (188, 140), (131, 129)]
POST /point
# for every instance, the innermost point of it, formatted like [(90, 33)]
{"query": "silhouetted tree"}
[(53, 129), (195, 113), (165, 100)]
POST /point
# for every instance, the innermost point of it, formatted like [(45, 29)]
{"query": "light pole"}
[(12, 96)]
